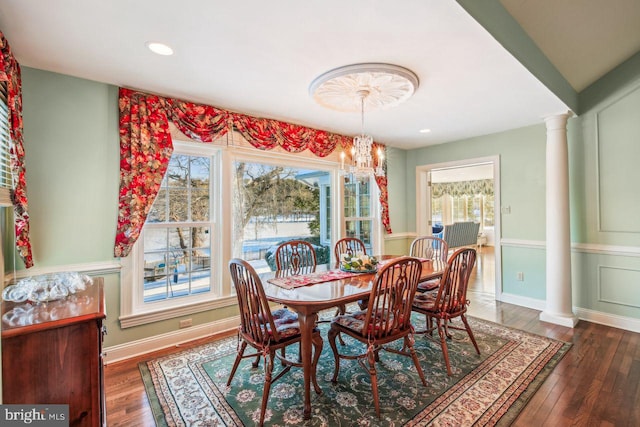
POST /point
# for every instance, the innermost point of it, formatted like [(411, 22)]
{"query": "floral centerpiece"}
[(359, 263)]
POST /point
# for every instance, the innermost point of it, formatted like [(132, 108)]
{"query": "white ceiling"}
[(259, 58)]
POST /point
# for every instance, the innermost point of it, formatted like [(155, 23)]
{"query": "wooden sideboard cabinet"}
[(53, 354)]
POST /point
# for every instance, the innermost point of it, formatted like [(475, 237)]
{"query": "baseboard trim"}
[(536, 304), (613, 320), (131, 349), (621, 322)]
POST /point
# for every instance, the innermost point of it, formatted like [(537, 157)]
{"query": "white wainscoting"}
[(613, 320)]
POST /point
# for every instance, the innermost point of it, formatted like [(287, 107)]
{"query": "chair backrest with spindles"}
[(350, 246), (430, 247), (451, 300), (256, 321), (389, 309), (294, 255)]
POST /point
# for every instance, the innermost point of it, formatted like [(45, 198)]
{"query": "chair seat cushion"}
[(286, 323), (428, 285), (355, 321), (425, 301)]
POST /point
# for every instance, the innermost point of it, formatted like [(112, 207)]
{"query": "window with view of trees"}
[(178, 232), (273, 204)]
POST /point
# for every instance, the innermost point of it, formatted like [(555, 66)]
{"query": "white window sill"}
[(143, 318)]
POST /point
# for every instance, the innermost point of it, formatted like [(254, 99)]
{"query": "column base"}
[(570, 321)]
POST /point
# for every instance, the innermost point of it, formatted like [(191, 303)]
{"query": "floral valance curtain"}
[(146, 147), (462, 188), (10, 73)]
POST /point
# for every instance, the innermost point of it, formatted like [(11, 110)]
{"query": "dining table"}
[(310, 291)]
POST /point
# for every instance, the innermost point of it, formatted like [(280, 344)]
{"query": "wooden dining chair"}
[(266, 331), (433, 248), (294, 255), (386, 319), (348, 246), (449, 302)]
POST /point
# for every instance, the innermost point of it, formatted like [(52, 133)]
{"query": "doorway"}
[(465, 190)]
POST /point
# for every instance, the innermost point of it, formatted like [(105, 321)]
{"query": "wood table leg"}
[(307, 323)]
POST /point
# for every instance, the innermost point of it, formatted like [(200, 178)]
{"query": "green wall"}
[(72, 145), (522, 188), (71, 141)]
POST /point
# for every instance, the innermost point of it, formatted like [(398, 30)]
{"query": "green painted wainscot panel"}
[(607, 283), (532, 264), (397, 246)]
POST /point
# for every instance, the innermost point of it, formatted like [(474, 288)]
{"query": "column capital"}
[(558, 121)]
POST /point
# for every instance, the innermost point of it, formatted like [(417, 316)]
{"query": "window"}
[(174, 262), (219, 202), (358, 212), (275, 203)]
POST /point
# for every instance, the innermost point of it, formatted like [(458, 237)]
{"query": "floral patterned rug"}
[(189, 388)]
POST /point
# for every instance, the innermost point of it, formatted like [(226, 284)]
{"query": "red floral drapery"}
[(146, 146), (10, 73)]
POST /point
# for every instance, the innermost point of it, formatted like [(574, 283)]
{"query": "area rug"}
[(189, 388)]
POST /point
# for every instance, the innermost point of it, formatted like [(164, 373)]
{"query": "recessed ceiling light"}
[(159, 48), (425, 130)]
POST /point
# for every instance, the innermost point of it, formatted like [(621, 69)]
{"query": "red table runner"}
[(292, 282)]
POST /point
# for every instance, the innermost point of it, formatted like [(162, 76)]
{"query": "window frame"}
[(133, 310)]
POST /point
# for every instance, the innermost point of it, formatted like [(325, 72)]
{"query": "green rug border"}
[(154, 402), (507, 419)]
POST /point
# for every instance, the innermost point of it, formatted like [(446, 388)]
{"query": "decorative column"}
[(559, 308)]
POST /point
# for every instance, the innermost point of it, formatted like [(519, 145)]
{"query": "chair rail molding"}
[(90, 268)]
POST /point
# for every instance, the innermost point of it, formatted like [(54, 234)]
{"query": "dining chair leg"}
[(256, 362), (468, 328), (241, 350), (342, 309), (371, 357), (333, 333), (443, 343), (409, 341), (268, 370), (317, 349)]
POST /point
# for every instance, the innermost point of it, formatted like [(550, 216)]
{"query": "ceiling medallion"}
[(387, 85), (363, 87)]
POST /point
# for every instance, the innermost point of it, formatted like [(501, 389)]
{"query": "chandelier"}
[(361, 157), (354, 87)]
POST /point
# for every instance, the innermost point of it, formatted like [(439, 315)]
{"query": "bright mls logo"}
[(34, 415)]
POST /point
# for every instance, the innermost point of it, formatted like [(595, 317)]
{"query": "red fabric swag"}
[(146, 147)]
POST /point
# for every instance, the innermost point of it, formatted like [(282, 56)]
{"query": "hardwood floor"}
[(597, 383)]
